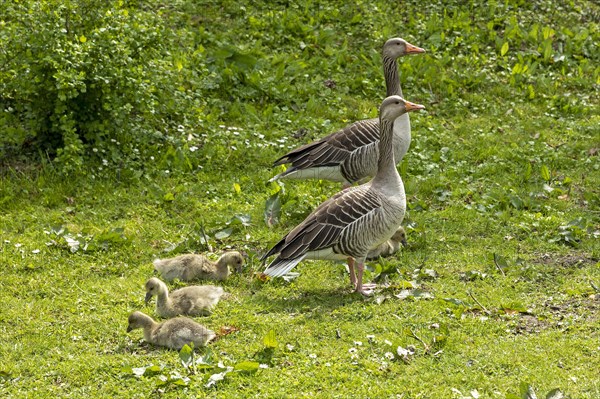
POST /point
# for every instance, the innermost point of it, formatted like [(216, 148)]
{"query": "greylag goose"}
[(356, 219), (172, 333), (197, 300), (192, 267), (389, 247), (350, 155)]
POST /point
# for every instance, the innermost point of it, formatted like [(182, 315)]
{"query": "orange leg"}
[(366, 289), (351, 269)]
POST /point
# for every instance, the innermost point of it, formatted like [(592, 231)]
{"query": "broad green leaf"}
[(186, 355), (457, 302), (504, 49), (269, 340), (247, 366), (169, 197), (272, 210), (545, 173), (513, 307), (222, 234)]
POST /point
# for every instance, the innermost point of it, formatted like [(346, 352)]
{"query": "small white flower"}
[(389, 355), (327, 364), (193, 148), (312, 356), (152, 158), (234, 148), (289, 347), (104, 162), (387, 342), (35, 251), (352, 350), (263, 366), (94, 149), (18, 245), (402, 352), (357, 343)]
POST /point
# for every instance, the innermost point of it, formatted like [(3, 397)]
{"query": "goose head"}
[(138, 320), (233, 259), (400, 236), (394, 106), (154, 287), (397, 47)]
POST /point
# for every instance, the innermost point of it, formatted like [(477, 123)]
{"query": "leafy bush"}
[(84, 78)]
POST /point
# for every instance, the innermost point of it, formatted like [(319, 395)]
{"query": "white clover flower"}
[(312, 356), (389, 355), (357, 343), (193, 148)]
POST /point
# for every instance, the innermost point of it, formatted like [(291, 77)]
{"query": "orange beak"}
[(410, 49), (412, 106)]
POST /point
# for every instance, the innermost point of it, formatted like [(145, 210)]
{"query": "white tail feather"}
[(280, 267)]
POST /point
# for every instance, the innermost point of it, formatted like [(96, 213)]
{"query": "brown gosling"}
[(193, 267), (197, 300), (172, 333), (389, 247)]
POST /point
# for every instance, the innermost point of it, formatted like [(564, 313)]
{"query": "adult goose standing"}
[(355, 220), (350, 155)]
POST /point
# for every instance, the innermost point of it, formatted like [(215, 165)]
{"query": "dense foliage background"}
[(131, 130)]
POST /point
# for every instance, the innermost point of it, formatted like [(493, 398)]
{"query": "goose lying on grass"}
[(172, 333), (350, 155), (198, 267), (355, 220), (389, 247), (197, 300)]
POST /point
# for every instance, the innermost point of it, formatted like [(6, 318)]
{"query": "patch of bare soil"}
[(585, 309), (570, 260)]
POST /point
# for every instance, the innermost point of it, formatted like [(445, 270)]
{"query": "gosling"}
[(389, 247), (192, 267), (197, 300), (172, 333)]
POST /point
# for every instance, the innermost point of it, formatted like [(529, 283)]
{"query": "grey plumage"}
[(196, 300), (355, 220), (172, 333), (350, 155)]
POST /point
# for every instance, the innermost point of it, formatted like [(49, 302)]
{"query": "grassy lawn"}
[(500, 282)]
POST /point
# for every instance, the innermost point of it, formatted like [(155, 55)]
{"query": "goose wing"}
[(333, 149), (330, 223)]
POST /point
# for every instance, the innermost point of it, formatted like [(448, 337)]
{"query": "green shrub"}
[(88, 78)]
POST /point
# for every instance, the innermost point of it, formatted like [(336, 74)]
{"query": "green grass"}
[(491, 170)]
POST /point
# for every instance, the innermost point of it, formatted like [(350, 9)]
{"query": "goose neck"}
[(392, 79), (386, 164)]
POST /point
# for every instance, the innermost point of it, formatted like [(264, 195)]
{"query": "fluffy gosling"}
[(192, 267), (197, 300), (389, 247), (172, 333)]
